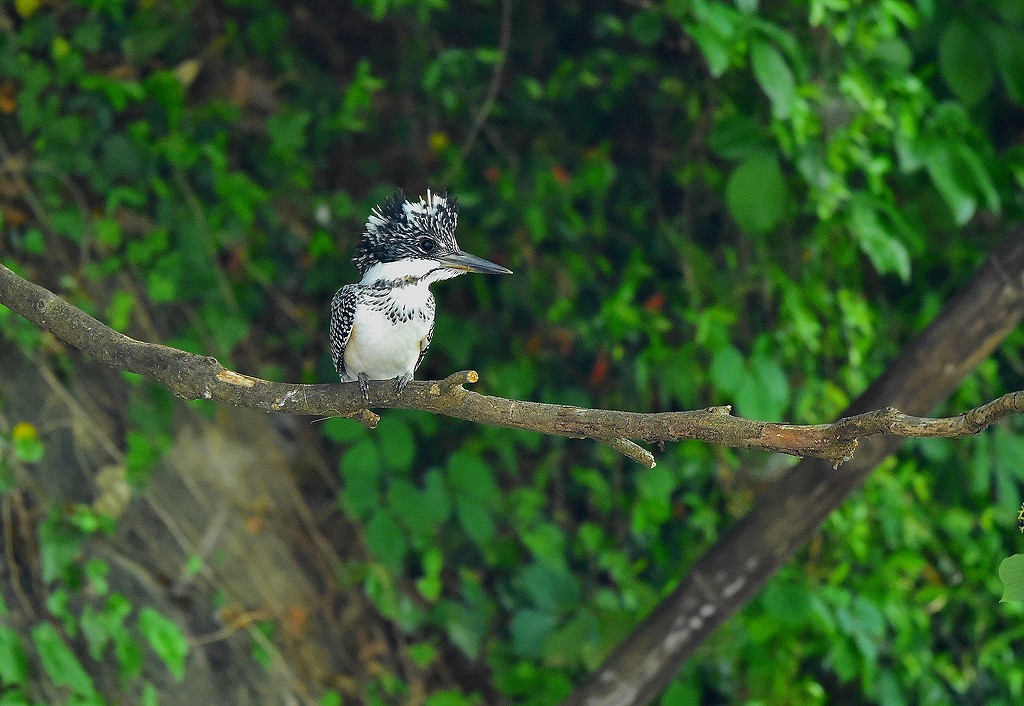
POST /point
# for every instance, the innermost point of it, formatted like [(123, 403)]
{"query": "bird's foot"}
[(364, 386), (402, 382)]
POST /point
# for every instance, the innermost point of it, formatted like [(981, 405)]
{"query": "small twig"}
[(364, 416), (457, 380), (504, 39), (237, 622), (632, 450)]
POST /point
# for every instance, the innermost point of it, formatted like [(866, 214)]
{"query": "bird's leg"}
[(364, 386), (402, 381)]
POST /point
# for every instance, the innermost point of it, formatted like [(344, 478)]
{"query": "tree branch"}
[(192, 376)]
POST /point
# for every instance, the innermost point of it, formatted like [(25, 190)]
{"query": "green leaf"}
[(466, 626), (162, 288), (965, 60), (713, 46), (886, 253), (949, 180), (386, 539), (150, 695), (166, 639), (119, 92), (119, 311), (736, 137), (476, 520), (59, 605), (788, 603), (96, 630), (682, 692), (398, 445), (360, 468), (982, 178), (575, 640), (756, 193), (551, 589), (1009, 51), (26, 444), (654, 503), (1011, 573), (14, 697), (423, 654), (429, 585), (226, 329), (34, 241), (29, 450), (13, 658), (471, 477), (449, 697), (530, 628), (97, 570), (101, 626), (775, 77), (647, 26), (108, 232), (333, 698), (287, 131), (129, 655), (421, 511), (1008, 452), (753, 400), (60, 545), (547, 541), (60, 662), (727, 370)]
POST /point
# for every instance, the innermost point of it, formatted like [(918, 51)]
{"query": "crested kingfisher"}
[(381, 326)]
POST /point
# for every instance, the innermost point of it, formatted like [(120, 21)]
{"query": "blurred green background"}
[(704, 202)]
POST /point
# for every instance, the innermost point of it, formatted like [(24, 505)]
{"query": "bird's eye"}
[(427, 244)]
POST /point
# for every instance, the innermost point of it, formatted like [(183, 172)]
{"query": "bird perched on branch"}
[(382, 326)]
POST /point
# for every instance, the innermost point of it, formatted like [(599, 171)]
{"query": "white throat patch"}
[(419, 271)]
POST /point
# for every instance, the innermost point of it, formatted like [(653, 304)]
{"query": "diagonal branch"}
[(192, 376), (969, 328)]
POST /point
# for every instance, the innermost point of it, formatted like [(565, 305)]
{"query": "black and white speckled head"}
[(416, 239), (402, 230)]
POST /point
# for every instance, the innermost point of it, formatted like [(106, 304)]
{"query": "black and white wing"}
[(343, 314), (425, 342)]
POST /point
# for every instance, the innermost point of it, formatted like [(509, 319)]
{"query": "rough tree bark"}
[(192, 376), (785, 517)]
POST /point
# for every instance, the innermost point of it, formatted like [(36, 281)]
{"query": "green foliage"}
[(26, 444), (60, 663), (13, 659), (1011, 573), (166, 639), (705, 202), (83, 610), (756, 193)]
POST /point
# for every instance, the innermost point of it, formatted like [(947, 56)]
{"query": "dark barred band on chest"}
[(389, 301)]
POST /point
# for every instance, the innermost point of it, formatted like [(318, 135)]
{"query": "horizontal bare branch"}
[(192, 376)]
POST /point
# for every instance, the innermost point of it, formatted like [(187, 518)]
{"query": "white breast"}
[(388, 333)]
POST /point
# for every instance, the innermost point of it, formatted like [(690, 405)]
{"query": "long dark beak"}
[(471, 263)]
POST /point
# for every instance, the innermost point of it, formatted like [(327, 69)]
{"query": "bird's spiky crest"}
[(395, 228)]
